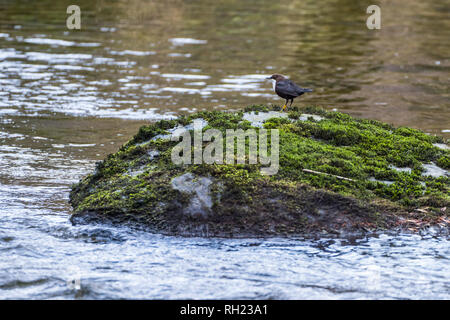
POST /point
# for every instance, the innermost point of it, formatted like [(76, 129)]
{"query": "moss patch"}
[(387, 187)]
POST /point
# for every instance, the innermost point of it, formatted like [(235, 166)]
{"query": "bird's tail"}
[(306, 90)]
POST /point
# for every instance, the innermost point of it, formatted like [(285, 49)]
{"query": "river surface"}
[(68, 98)]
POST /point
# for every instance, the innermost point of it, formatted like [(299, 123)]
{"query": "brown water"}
[(70, 97), (147, 59)]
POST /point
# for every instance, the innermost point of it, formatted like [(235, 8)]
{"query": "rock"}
[(198, 188), (257, 119), (433, 170), (335, 174)]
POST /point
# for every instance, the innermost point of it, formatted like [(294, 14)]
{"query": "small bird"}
[(286, 89)]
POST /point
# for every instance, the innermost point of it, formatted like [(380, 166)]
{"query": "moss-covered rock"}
[(336, 173)]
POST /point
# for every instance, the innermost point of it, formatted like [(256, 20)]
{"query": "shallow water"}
[(45, 253), (69, 98)]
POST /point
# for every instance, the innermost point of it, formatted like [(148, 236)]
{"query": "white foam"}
[(133, 53), (70, 67), (179, 76), (59, 42), (51, 57), (183, 41), (176, 54)]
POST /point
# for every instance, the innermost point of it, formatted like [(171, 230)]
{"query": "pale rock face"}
[(442, 146), (305, 116), (152, 154), (257, 119), (199, 189), (433, 170), (201, 124)]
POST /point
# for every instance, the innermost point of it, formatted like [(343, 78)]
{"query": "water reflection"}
[(144, 60)]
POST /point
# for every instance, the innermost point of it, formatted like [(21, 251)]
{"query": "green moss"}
[(130, 182), (145, 133), (444, 162)]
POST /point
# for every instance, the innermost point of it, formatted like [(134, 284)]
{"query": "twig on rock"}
[(328, 174)]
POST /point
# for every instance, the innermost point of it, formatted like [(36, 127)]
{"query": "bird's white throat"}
[(274, 83)]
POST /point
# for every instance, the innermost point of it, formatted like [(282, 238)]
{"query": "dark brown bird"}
[(287, 89)]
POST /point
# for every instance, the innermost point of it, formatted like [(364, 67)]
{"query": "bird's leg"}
[(292, 100), (285, 105)]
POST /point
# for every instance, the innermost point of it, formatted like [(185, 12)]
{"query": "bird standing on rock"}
[(287, 89)]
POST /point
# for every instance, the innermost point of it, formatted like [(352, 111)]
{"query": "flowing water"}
[(68, 98)]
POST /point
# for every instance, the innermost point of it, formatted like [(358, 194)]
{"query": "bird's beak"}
[(269, 78)]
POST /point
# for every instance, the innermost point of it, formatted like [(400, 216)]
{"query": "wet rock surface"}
[(198, 190)]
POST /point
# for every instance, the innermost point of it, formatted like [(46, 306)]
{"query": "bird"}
[(286, 89)]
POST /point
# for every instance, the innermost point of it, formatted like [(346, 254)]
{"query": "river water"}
[(68, 98)]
